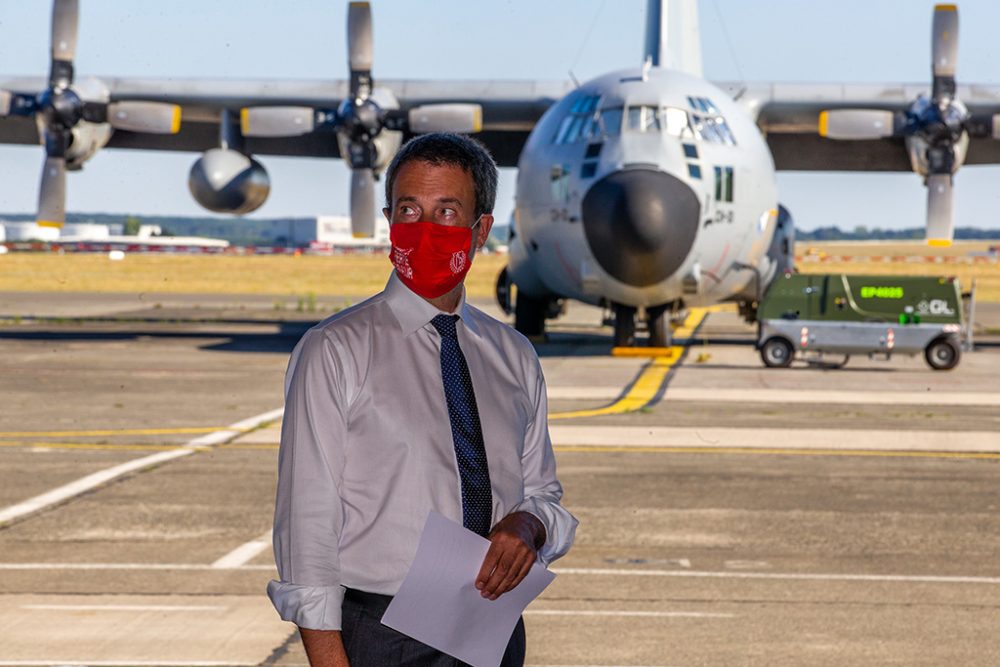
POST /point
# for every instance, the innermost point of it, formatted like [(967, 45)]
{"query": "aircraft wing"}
[(788, 115), (509, 110)]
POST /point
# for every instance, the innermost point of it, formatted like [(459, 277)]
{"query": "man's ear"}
[(387, 214), (485, 225)]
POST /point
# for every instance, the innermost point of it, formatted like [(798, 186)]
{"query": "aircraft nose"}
[(640, 224)]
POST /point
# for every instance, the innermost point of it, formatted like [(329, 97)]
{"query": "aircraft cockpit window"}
[(677, 124), (708, 123), (584, 122), (644, 119), (611, 121)]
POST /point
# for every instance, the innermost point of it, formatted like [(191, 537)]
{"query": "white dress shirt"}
[(367, 450)]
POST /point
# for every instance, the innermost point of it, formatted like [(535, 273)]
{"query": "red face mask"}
[(430, 259)]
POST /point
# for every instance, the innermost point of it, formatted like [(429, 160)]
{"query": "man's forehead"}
[(440, 180)]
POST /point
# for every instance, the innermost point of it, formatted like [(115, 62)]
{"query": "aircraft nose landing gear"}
[(624, 325), (656, 321)]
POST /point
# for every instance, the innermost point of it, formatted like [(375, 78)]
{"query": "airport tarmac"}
[(745, 516)]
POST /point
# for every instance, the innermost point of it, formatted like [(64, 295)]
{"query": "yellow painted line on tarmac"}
[(774, 451), (648, 385), (113, 432)]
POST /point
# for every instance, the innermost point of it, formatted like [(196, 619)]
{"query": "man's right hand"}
[(325, 648)]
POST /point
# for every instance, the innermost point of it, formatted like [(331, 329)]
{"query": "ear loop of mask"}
[(474, 249)]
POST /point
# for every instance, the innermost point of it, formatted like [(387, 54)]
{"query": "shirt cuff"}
[(560, 527), (311, 607)]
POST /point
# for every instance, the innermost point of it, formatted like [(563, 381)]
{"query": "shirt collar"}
[(413, 312)]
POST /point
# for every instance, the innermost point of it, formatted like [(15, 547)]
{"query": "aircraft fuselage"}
[(643, 188)]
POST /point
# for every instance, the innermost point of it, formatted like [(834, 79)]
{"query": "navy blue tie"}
[(466, 431)]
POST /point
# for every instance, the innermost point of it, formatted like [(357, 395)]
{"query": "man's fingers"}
[(492, 587), (489, 564), (512, 579)]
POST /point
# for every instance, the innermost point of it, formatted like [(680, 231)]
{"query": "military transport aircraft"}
[(644, 190)]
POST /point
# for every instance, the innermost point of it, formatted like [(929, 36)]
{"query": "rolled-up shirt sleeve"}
[(542, 490), (308, 516)]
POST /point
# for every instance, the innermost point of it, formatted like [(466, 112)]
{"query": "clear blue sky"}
[(780, 40)]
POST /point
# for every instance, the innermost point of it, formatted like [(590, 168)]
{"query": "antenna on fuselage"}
[(673, 37)]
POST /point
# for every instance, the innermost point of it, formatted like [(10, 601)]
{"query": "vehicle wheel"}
[(943, 354), (529, 315), (777, 353), (624, 326)]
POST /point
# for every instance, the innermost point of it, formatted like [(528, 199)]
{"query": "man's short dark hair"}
[(440, 148)]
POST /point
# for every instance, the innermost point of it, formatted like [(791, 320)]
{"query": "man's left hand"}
[(514, 544)]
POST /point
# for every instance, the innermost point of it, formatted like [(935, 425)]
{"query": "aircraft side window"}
[(563, 131), (581, 124), (723, 130), (575, 128)]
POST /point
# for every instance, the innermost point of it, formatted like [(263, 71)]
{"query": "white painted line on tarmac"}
[(606, 572), (866, 397), (625, 612), (695, 574), (122, 607), (536, 664), (244, 553), (96, 479), (121, 663), (198, 567), (799, 396), (769, 438)]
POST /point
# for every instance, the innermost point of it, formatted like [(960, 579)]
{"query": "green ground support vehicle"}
[(818, 315)]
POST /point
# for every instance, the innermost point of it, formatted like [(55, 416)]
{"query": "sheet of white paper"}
[(438, 603)]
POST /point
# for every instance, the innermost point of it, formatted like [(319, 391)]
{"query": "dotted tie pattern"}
[(466, 430)]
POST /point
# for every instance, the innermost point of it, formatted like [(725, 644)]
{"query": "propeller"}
[(936, 130), (360, 119), (59, 108)]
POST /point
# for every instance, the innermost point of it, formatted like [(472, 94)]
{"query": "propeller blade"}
[(359, 36), (465, 118), (944, 51), (65, 19), (362, 203), (277, 121), (148, 117), (944, 40), (52, 194), (856, 124), (940, 210)]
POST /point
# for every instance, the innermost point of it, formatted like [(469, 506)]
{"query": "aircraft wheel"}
[(943, 354), (777, 353), (659, 328), (529, 315), (503, 291), (624, 326)]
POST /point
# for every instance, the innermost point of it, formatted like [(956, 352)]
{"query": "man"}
[(409, 402)]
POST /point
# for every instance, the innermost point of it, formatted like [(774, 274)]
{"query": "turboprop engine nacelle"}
[(85, 140), (227, 181)]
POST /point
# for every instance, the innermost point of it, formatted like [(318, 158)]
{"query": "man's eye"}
[(407, 211)]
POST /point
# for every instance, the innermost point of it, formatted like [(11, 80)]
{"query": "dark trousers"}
[(370, 644)]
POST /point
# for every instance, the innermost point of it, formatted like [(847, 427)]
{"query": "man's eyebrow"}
[(439, 200)]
